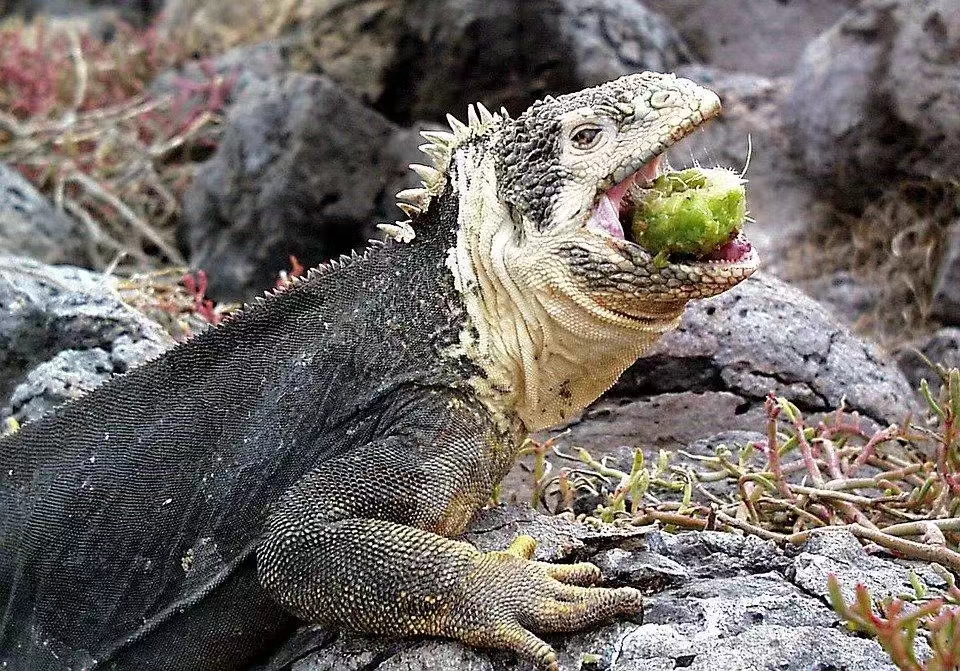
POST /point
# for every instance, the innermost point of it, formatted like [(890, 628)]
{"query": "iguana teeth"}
[(485, 115), (472, 119), (409, 210), (439, 137), (419, 197), (458, 127), (504, 113), (431, 177)]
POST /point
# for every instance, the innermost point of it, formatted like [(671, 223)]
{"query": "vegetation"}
[(85, 120), (895, 245), (896, 487)]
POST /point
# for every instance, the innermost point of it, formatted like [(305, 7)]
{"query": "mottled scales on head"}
[(530, 169)]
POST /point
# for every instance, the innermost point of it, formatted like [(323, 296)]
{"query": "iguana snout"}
[(573, 164)]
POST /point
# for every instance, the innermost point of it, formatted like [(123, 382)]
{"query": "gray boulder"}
[(418, 59), (875, 97), (63, 331), (237, 68), (30, 226), (756, 36), (302, 169), (716, 601), (577, 43), (766, 336), (848, 296)]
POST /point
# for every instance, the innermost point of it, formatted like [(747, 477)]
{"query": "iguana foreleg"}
[(343, 550)]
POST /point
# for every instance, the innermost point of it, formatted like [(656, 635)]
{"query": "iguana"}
[(313, 458)]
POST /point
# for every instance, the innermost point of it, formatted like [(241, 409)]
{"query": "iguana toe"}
[(582, 573), (508, 597)]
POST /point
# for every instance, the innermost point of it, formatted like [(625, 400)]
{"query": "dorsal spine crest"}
[(440, 148)]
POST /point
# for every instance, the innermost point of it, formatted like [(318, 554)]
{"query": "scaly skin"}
[(556, 312), (315, 455)]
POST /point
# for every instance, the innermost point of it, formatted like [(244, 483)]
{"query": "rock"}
[(68, 375), (640, 567), (946, 290), (784, 648), (875, 98), (660, 420), (302, 169), (63, 331), (30, 226), (943, 347), (756, 36), (766, 336), (455, 52), (419, 59), (726, 602), (240, 67), (713, 554), (839, 553), (611, 38), (848, 297)]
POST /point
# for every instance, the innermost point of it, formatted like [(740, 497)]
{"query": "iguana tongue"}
[(606, 215), (646, 174), (731, 251)]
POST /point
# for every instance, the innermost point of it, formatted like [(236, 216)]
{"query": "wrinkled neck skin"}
[(548, 349)]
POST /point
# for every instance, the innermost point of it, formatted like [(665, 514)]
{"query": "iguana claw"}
[(509, 596)]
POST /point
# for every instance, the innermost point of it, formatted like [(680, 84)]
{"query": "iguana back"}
[(138, 498)]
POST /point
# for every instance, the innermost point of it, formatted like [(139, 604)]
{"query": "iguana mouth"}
[(613, 213)]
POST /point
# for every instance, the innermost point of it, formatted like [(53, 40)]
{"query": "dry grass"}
[(78, 120), (896, 245), (207, 28)]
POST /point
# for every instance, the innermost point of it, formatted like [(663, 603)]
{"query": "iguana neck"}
[(548, 349)]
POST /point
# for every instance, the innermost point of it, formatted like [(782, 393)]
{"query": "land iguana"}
[(312, 458)]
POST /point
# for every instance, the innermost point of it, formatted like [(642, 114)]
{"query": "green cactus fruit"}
[(692, 211)]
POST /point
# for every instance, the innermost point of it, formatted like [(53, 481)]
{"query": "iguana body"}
[(311, 457)]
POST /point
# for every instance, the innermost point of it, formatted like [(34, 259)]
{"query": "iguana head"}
[(562, 300)]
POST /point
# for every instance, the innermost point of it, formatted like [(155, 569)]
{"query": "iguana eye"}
[(585, 138)]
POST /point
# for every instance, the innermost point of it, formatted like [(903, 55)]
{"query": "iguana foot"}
[(508, 596)]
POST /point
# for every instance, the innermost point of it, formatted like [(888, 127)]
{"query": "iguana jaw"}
[(652, 281)]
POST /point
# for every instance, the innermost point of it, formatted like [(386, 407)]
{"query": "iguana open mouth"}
[(615, 208)]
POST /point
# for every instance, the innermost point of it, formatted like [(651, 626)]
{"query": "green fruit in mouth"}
[(693, 211)]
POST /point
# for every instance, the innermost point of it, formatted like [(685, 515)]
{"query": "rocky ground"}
[(716, 601), (850, 111)]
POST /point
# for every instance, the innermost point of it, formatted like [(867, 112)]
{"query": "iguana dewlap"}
[(311, 458)]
